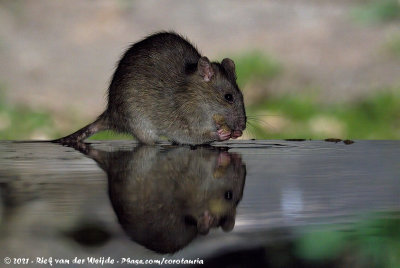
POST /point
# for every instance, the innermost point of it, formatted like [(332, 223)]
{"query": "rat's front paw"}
[(223, 131), (223, 134)]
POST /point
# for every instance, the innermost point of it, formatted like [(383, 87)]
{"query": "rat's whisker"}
[(259, 115), (250, 131), (260, 122)]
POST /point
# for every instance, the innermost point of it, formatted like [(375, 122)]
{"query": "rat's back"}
[(149, 74), (158, 60)]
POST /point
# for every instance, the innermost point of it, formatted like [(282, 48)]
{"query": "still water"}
[(234, 204)]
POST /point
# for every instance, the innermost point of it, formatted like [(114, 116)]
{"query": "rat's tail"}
[(100, 124)]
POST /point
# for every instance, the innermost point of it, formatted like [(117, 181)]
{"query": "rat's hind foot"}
[(145, 140), (146, 137)]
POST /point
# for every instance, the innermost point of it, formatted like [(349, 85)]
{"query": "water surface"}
[(243, 203)]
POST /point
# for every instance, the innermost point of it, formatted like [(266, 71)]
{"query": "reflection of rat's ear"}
[(204, 68), (229, 67)]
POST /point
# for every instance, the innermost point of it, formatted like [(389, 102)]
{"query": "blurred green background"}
[(335, 72), (373, 241)]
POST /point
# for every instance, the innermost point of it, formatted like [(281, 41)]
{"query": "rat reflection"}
[(164, 197)]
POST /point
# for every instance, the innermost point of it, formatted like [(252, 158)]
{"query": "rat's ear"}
[(204, 69), (229, 67)]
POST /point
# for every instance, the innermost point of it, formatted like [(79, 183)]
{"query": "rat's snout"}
[(241, 124), (239, 127), (236, 134)]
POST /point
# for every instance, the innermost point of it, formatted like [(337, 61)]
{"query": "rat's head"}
[(217, 82)]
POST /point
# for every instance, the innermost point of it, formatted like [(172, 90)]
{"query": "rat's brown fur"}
[(164, 87)]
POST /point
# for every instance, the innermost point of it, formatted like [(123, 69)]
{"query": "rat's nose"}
[(236, 134), (239, 125)]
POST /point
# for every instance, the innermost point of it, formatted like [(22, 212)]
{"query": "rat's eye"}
[(228, 195), (229, 98)]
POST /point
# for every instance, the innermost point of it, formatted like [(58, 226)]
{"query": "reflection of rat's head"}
[(164, 198), (217, 194)]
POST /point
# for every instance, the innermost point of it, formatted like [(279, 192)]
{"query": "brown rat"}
[(163, 87)]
